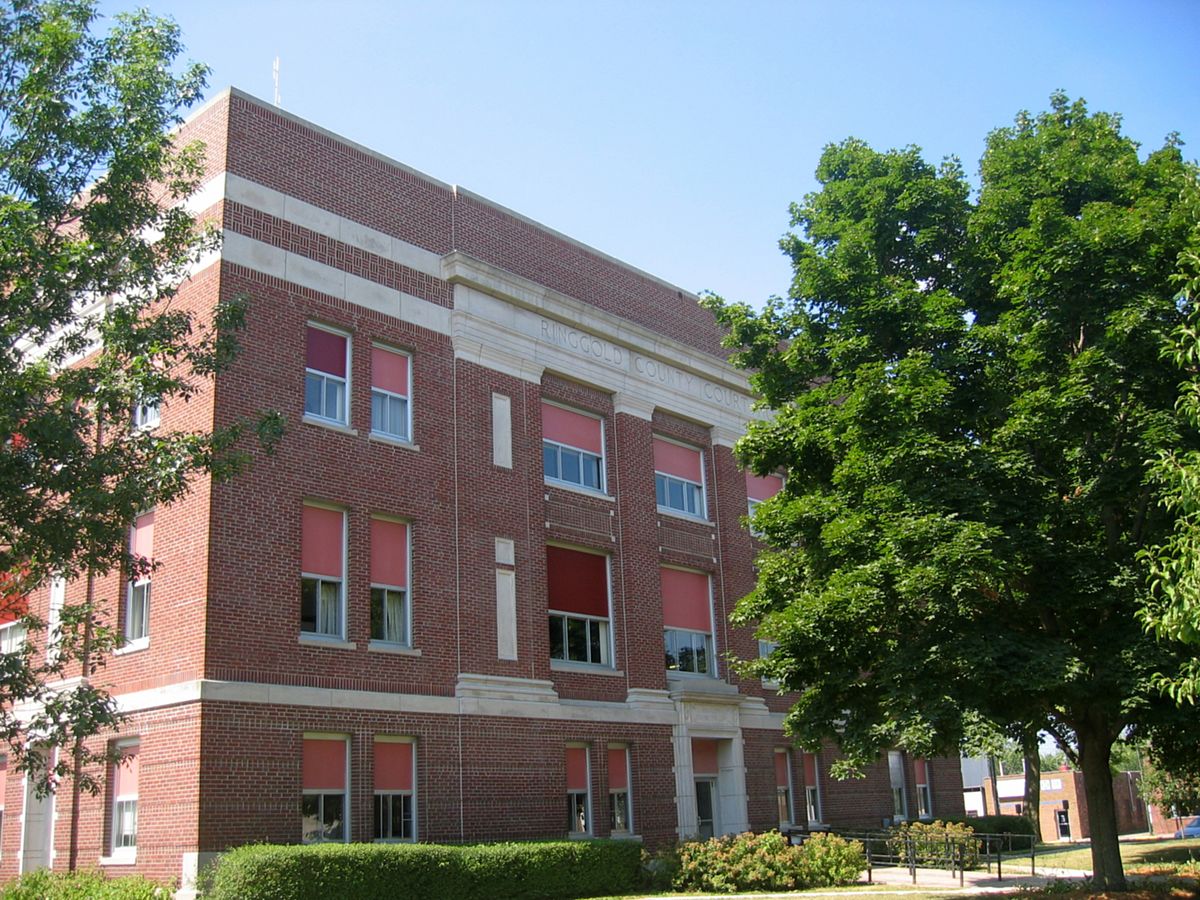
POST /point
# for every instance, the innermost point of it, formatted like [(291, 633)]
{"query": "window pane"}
[(620, 810), (594, 642), (577, 640), (394, 617), (577, 821), (308, 604), (378, 412), (312, 394), (332, 816), (675, 494), (693, 499), (660, 489), (701, 651), (570, 466), (401, 805), (334, 398), (556, 638), (550, 460), (331, 619), (669, 649), (399, 417), (591, 471), (310, 818)]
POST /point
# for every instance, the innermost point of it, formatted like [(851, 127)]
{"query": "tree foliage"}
[(966, 391), (94, 243)]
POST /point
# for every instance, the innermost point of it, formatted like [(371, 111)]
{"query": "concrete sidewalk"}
[(977, 880)]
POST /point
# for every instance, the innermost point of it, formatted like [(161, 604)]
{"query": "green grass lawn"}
[(1134, 854)]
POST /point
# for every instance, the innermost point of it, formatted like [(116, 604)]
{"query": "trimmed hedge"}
[(1015, 825), (45, 885), (517, 871)]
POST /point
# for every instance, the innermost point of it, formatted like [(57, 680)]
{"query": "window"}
[(812, 789), (394, 790), (618, 790), (924, 794), (896, 774), (573, 448), (578, 607), (12, 636), (137, 600), (759, 489), (765, 649), (125, 801), (326, 361), (389, 393), (579, 803), (322, 563), (145, 415), (58, 599), (687, 622), (783, 787), (679, 479), (389, 582), (323, 805)]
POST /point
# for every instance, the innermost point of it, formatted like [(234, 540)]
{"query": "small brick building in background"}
[(1063, 809), (482, 589)]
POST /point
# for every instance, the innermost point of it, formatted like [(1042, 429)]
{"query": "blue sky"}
[(671, 134)]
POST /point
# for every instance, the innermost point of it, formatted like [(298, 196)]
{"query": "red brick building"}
[(482, 589), (1063, 811)]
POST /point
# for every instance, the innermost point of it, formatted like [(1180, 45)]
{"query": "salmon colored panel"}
[(3, 779), (389, 371), (704, 757), (810, 769), (577, 582), (685, 600), (143, 535), (618, 770), (324, 766), (920, 771), (125, 774), (781, 769), (763, 488), (326, 352), (13, 603), (672, 459), (577, 773), (321, 542), (572, 428), (389, 553), (393, 766)]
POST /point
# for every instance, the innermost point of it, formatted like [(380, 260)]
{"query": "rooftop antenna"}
[(275, 75)]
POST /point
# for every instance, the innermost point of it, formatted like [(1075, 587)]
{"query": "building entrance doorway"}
[(706, 807), (1063, 820)]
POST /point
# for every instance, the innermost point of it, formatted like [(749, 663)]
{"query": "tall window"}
[(924, 794), (323, 559), (759, 489), (812, 789), (394, 790), (618, 790), (137, 603), (687, 621), (326, 373), (12, 636), (323, 804), (896, 775), (579, 801), (765, 649), (146, 415), (578, 613), (390, 393), (679, 478), (389, 582), (3, 789), (783, 787), (125, 801), (572, 448)]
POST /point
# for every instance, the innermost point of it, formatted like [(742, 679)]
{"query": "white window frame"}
[(924, 801), (137, 594), (700, 493), (812, 795), (572, 798), (559, 447), (123, 843), (386, 395), (343, 418), (58, 599), (605, 626), (628, 793), (322, 794), (147, 415), (320, 580), (789, 795), (385, 619), (411, 796), (12, 636), (709, 651), (899, 794)]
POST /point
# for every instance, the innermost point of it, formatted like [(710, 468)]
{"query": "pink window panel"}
[(921, 771), (672, 459), (764, 487), (325, 352), (577, 582), (3, 779), (324, 767), (321, 542), (389, 371), (125, 773), (685, 600), (810, 769), (572, 428), (618, 770), (143, 535), (393, 766), (389, 553), (704, 757), (577, 769), (781, 769)]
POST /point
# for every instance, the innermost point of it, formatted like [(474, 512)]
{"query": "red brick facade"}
[(496, 314)]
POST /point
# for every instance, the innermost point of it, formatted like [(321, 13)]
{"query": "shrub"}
[(827, 860), (739, 862), (44, 885), (659, 869), (932, 843), (517, 871), (1019, 826)]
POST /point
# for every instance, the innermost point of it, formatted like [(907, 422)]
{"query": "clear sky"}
[(672, 134)]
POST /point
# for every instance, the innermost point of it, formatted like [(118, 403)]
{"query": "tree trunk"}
[(992, 767), (1031, 751), (1095, 752)]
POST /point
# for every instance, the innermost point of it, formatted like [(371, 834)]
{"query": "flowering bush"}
[(827, 860), (932, 843), (766, 862)]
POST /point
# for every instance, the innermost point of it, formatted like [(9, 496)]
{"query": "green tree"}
[(966, 391), (94, 242), (1176, 794)]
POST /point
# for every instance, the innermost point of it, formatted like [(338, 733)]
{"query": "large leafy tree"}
[(967, 390), (94, 243)]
